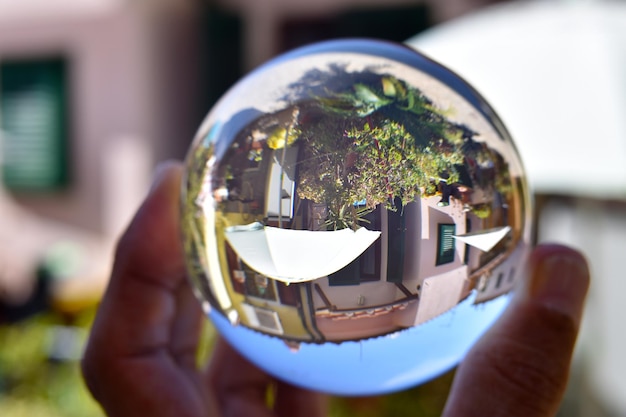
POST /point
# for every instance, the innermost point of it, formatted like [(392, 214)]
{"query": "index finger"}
[(149, 268), (141, 352)]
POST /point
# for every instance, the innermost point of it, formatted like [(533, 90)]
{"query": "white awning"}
[(486, 239), (297, 255)]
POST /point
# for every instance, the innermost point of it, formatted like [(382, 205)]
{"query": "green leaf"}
[(368, 96), (389, 89)]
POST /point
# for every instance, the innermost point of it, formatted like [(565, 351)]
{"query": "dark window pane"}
[(394, 23), (499, 281), (348, 275), (366, 267), (222, 59), (288, 293)]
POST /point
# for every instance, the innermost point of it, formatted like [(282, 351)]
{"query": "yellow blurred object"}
[(77, 295), (276, 140)]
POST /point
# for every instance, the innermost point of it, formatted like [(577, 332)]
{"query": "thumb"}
[(520, 366)]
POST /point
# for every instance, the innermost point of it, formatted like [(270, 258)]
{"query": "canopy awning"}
[(297, 255), (486, 239)]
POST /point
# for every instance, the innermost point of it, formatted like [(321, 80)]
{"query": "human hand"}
[(141, 357)]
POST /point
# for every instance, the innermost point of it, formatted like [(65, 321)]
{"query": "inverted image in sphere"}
[(354, 216)]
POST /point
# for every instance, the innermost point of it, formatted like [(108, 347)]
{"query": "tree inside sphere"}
[(354, 217)]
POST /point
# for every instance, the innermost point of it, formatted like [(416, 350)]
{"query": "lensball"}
[(354, 217)]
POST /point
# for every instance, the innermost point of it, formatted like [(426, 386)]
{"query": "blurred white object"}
[(554, 72), (599, 230)]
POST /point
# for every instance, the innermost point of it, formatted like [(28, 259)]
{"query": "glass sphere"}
[(354, 216)]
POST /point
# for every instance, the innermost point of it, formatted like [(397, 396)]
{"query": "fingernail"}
[(560, 282)]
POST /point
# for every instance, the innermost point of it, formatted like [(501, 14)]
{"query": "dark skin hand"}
[(141, 356)]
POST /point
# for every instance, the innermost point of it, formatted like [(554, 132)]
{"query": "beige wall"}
[(132, 87), (126, 97)]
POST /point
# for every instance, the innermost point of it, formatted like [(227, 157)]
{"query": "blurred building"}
[(92, 94), (272, 26)]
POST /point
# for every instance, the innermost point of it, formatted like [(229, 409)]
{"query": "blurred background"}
[(94, 93)]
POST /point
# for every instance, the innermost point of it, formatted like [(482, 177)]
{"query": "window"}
[(268, 320), (33, 111), (511, 275), (257, 285), (263, 319), (366, 267), (445, 244), (499, 281)]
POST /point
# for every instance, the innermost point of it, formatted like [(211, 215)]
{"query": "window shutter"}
[(445, 244), (33, 111)]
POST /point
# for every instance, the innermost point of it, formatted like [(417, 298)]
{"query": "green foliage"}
[(362, 139), (347, 217), (377, 141), (391, 166), (32, 385), (482, 211)]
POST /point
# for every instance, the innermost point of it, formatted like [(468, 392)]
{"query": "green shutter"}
[(445, 244), (33, 111)]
